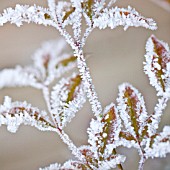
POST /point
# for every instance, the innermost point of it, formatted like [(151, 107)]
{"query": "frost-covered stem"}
[(77, 26), (45, 92), (74, 150), (59, 26), (142, 159), (86, 34), (66, 35), (86, 77), (141, 163)]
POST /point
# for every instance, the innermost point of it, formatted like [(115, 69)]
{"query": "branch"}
[(89, 87)]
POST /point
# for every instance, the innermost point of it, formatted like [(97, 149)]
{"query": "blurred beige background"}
[(117, 57)]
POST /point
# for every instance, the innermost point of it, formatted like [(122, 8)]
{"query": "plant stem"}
[(65, 138), (141, 163), (89, 87)]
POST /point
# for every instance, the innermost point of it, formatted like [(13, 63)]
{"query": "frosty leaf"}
[(154, 119), (157, 65), (13, 114), (55, 166), (26, 13), (131, 107), (132, 110), (94, 162), (122, 17), (66, 13), (67, 61), (127, 136), (51, 62), (159, 145), (18, 77), (67, 98), (87, 6), (104, 133), (87, 151), (69, 165), (112, 162)]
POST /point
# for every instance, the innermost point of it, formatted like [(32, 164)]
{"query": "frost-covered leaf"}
[(154, 119), (88, 153), (50, 61), (66, 13), (67, 98), (94, 162), (104, 136), (159, 144), (104, 130), (132, 110), (157, 65), (88, 7), (55, 166), (122, 17), (13, 114), (18, 77), (69, 165), (26, 13), (65, 9)]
